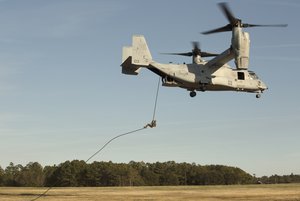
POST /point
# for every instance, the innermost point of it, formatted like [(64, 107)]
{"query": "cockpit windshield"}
[(253, 75)]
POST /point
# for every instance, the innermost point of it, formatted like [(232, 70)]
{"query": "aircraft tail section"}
[(136, 56), (140, 51)]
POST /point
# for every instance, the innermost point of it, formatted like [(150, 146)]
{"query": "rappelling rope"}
[(152, 124), (112, 139)]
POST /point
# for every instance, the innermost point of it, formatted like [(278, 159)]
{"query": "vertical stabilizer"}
[(126, 52), (136, 56), (140, 51)]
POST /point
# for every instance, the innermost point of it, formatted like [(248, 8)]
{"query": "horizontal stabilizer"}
[(128, 68), (136, 56)]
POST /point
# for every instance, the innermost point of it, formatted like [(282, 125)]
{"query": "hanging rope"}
[(152, 124), (121, 135)]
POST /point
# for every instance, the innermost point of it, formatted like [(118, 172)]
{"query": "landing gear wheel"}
[(193, 94), (258, 95)]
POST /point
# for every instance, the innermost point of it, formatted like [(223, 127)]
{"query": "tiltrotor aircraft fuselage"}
[(201, 75)]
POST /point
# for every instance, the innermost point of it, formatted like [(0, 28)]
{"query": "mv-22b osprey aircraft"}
[(201, 75)]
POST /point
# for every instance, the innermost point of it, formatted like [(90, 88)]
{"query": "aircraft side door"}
[(240, 80)]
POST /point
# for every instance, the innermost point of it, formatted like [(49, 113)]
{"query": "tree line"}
[(77, 173)]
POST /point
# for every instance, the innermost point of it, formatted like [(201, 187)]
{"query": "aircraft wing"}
[(221, 59)]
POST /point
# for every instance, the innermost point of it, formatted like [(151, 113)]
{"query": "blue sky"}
[(62, 94)]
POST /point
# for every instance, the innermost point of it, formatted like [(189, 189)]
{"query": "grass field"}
[(289, 192)]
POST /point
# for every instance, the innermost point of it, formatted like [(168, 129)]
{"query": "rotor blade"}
[(263, 25), (188, 54), (228, 27), (196, 45), (196, 48), (227, 12), (207, 54)]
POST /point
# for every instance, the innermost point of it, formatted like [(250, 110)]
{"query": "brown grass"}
[(287, 192)]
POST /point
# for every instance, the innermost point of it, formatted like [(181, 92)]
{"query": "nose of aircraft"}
[(262, 85)]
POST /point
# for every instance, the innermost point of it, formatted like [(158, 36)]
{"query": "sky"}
[(62, 93)]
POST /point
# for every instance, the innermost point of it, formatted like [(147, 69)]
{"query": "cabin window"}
[(241, 75)]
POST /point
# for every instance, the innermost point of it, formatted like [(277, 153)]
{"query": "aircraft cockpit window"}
[(253, 76)]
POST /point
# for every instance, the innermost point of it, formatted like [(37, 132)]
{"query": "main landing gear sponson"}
[(193, 94)]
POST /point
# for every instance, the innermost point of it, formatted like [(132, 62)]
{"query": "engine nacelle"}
[(241, 47)]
